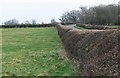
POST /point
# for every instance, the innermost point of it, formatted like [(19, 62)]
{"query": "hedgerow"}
[(27, 26), (96, 51)]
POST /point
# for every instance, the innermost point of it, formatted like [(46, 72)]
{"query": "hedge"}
[(96, 51), (27, 26)]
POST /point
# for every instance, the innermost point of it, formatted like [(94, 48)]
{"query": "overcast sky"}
[(42, 10)]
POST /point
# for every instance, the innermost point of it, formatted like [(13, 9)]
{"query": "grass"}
[(33, 52), (81, 28), (115, 26), (0, 52)]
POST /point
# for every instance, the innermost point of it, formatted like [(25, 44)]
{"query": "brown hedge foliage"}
[(96, 51)]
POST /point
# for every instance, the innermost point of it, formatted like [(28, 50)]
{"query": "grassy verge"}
[(33, 52), (115, 26), (78, 27)]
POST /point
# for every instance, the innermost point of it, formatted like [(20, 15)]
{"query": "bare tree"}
[(118, 22), (42, 22), (53, 21), (12, 22), (70, 17), (102, 14), (27, 22), (33, 21)]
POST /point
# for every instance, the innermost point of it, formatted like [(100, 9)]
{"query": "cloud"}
[(35, 1)]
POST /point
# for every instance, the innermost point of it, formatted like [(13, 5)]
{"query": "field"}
[(0, 52), (33, 52)]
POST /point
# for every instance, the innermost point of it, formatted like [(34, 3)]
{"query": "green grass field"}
[(33, 52), (0, 52)]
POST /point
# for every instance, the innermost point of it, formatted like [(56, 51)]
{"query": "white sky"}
[(42, 10)]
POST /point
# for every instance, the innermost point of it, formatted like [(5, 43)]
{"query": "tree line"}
[(13, 23), (98, 15), (32, 22)]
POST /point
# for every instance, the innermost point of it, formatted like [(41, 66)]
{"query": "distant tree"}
[(53, 21), (70, 17), (27, 22), (33, 21), (12, 22), (84, 14), (118, 22), (42, 22), (102, 14)]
